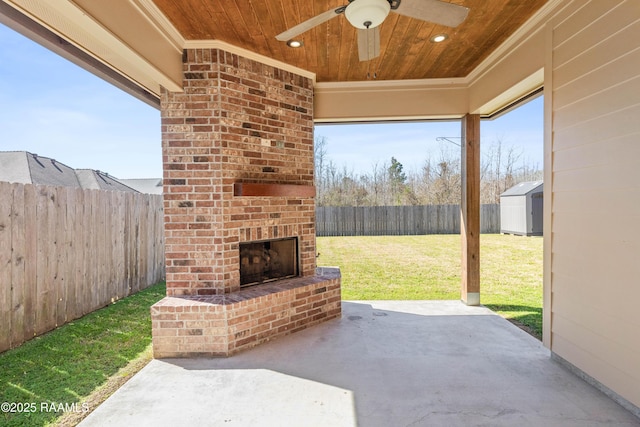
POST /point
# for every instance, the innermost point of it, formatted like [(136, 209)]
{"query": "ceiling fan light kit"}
[(367, 15), (364, 14)]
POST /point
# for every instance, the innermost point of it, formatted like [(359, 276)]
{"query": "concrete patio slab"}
[(384, 363)]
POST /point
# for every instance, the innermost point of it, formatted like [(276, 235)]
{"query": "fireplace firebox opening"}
[(268, 260)]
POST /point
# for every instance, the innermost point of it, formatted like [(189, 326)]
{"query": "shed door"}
[(537, 202)]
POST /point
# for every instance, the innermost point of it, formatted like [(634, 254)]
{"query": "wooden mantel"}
[(273, 190)]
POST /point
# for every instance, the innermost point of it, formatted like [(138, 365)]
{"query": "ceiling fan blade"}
[(450, 15), (369, 43), (309, 24)]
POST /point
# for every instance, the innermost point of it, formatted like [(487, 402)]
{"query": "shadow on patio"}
[(384, 363)]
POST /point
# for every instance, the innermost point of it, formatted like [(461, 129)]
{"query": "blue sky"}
[(359, 147), (53, 108)]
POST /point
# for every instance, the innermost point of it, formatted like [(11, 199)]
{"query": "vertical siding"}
[(595, 248), (513, 217)]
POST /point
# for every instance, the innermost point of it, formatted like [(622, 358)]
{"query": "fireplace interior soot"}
[(268, 260)]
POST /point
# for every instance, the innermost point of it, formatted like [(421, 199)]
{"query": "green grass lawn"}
[(66, 365), (428, 267)]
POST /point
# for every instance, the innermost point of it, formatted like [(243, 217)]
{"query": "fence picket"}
[(31, 262), (83, 287), (17, 263), (60, 235), (47, 274), (5, 263), (70, 252)]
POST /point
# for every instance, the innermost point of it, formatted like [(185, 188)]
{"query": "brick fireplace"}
[(238, 173), (268, 260)]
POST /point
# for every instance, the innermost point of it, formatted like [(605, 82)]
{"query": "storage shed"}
[(521, 209)]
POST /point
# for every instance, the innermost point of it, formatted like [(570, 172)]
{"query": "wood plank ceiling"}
[(330, 49)]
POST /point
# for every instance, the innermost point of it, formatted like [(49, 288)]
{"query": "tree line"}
[(437, 182)]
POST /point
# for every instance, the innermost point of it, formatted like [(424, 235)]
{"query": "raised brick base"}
[(221, 325)]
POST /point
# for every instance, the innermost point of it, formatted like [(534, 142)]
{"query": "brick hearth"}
[(220, 325), (237, 122)]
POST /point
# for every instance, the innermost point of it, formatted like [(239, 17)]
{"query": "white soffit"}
[(529, 84), (67, 20), (390, 92), (150, 11), (390, 100), (514, 93), (391, 85), (521, 35)]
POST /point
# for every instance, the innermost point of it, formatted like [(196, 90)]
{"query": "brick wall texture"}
[(238, 120), (221, 325)]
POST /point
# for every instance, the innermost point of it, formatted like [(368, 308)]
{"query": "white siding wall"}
[(595, 173), (513, 218)]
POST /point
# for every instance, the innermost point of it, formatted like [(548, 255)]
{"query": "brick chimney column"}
[(238, 120)]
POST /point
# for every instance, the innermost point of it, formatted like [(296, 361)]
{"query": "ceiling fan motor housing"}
[(367, 13)]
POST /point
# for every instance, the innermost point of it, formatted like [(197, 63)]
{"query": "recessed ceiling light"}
[(294, 43), (439, 38)]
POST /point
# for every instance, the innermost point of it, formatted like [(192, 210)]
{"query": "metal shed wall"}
[(521, 209)]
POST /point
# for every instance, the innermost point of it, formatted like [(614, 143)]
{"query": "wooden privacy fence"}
[(65, 252), (399, 220)]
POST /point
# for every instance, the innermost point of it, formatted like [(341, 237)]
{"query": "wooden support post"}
[(470, 209)]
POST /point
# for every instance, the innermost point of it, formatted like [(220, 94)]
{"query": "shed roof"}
[(523, 188)]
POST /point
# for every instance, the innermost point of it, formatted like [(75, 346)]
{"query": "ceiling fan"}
[(367, 15)]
